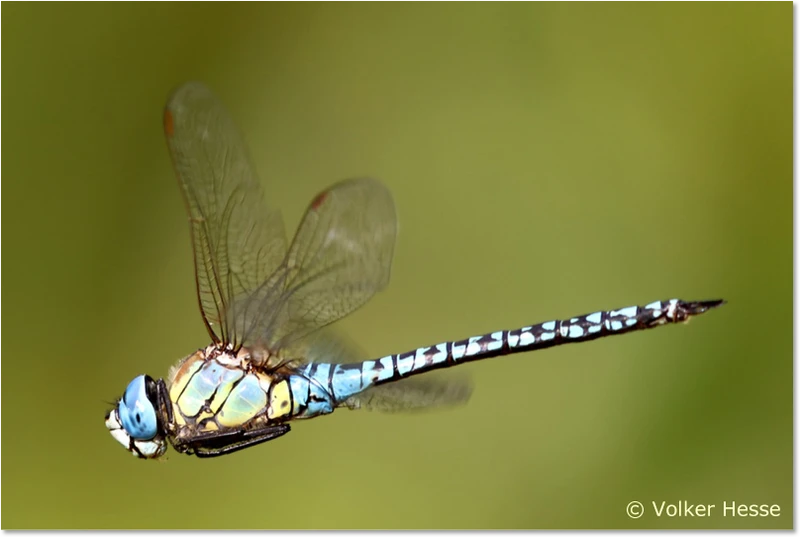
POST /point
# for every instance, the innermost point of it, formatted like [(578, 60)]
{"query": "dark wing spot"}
[(169, 124), (319, 200)]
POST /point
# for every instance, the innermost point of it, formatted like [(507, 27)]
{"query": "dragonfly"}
[(268, 305)]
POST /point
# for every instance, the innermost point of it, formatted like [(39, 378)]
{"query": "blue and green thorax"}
[(217, 390)]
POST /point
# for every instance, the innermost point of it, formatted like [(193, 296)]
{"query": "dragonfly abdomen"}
[(350, 379), (312, 392)]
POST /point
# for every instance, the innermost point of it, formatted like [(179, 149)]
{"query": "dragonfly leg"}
[(164, 405), (214, 444)]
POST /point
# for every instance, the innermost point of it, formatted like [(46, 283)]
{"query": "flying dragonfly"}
[(266, 304)]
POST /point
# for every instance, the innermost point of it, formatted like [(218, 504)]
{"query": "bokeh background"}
[(546, 160)]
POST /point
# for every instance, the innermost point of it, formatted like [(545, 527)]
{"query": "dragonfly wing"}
[(238, 240), (330, 346), (340, 256), (413, 394)]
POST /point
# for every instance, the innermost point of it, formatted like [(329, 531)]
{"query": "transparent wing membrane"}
[(238, 240), (339, 258), (328, 346), (255, 291), (415, 394)]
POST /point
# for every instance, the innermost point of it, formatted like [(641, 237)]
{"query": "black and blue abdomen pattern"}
[(346, 380)]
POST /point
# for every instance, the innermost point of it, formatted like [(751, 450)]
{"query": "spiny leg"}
[(213, 444)]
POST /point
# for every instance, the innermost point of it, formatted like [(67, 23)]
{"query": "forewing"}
[(238, 241), (340, 256)]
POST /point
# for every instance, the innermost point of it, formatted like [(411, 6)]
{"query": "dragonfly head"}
[(134, 421)]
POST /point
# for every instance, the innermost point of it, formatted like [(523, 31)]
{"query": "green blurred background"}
[(546, 160)]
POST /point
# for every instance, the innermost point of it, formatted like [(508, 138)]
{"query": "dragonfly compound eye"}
[(136, 410)]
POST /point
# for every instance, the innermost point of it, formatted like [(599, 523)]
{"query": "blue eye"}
[(136, 412)]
